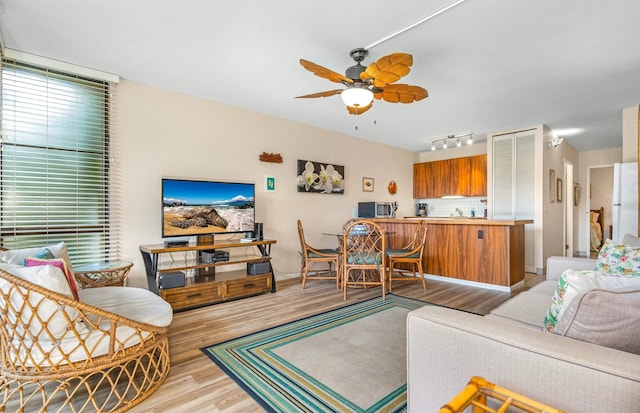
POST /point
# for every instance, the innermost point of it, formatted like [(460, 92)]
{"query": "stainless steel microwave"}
[(376, 210)]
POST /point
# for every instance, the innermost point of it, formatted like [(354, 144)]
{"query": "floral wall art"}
[(320, 177)]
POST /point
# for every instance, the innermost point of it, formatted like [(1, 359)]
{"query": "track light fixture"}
[(434, 144)]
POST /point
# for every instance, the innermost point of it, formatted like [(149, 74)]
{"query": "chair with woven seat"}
[(411, 254), (364, 262), (311, 255), (98, 353)]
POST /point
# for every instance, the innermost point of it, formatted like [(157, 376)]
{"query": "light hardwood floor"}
[(195, 384)]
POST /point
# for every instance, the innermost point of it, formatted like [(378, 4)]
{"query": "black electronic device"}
[(172, 279), (198, 207), (257, 231), (176, 243), (257, 268), (213, 256)]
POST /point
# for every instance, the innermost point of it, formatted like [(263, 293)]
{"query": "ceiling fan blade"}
[(388, 69), (402, 93), (322, 94), (324, 72), (358, 110)]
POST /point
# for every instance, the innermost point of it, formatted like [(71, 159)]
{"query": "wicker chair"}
[(363, 258), (312, 255), (410, 254), (60, 354)]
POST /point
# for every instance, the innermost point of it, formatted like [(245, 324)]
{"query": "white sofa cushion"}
[(545, 287), (572, 283), (631, 240), (526, 308), (603, 317)]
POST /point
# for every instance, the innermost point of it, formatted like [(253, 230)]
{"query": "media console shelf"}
[(210, 286)]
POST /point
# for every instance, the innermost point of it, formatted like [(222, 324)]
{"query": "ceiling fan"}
[(365, 83)]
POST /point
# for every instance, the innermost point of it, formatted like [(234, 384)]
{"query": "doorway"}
[(566, 191), (598, 195)]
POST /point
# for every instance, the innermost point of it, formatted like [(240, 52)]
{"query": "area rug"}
[(351, 359)]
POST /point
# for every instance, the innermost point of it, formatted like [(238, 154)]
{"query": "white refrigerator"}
[(624, 209)]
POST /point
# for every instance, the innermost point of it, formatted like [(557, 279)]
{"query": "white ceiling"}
[(489, 65)]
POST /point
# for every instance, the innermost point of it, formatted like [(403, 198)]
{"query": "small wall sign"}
[(270, 184)]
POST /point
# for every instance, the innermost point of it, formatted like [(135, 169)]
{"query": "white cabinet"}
[(513, 183), (514, 176)]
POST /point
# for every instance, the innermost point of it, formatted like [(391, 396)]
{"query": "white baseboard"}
[(475, 283)]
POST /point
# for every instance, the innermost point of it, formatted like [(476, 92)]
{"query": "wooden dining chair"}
[(364, 262), (411, 254), (311, 255)]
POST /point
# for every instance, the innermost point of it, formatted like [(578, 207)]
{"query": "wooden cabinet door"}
[(440, 179), (478, 186), (420, 179), (431, 179), (460, 176)]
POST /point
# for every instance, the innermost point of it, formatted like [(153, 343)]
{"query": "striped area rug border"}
[(277, 385)]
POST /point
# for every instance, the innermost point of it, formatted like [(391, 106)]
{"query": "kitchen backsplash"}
[(439, 207)]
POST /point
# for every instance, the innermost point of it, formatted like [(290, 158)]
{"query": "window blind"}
[(55, 162)]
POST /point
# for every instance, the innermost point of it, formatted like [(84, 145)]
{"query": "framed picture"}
[(367, 184), (270, 184), (320, 177), (577, 191), (552, 186), (559, 190)]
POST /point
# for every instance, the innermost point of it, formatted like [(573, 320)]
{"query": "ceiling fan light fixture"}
[(357, 97)]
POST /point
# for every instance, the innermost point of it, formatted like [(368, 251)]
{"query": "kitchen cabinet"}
[(459, 176), (487, 252)]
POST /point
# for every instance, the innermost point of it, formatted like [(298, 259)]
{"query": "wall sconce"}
[(452, 137), (555, 142)]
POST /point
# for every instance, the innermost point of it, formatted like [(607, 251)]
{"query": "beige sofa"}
[(445, 348)]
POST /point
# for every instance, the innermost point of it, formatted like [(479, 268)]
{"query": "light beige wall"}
[(161, 133), (554, 218), (630, 134)]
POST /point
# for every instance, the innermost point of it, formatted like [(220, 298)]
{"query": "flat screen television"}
[(196, 207)]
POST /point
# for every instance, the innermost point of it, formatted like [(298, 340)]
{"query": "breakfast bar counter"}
[(473, 251)]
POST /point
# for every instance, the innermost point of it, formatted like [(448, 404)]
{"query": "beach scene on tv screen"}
[(198, 207)]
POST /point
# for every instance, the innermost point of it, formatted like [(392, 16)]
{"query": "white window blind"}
[(55, 169)]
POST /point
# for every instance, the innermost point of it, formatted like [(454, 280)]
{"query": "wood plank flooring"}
[(196, 384)]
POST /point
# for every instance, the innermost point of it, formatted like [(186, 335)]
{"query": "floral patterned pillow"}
[(618, 259)]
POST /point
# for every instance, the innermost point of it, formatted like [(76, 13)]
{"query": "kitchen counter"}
[(471, 221), (471, 251)]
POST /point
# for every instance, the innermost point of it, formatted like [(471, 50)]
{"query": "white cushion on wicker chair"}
[(134, 303)]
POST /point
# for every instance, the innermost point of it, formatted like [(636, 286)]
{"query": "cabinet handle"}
[(194, 295), (249, 285)]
